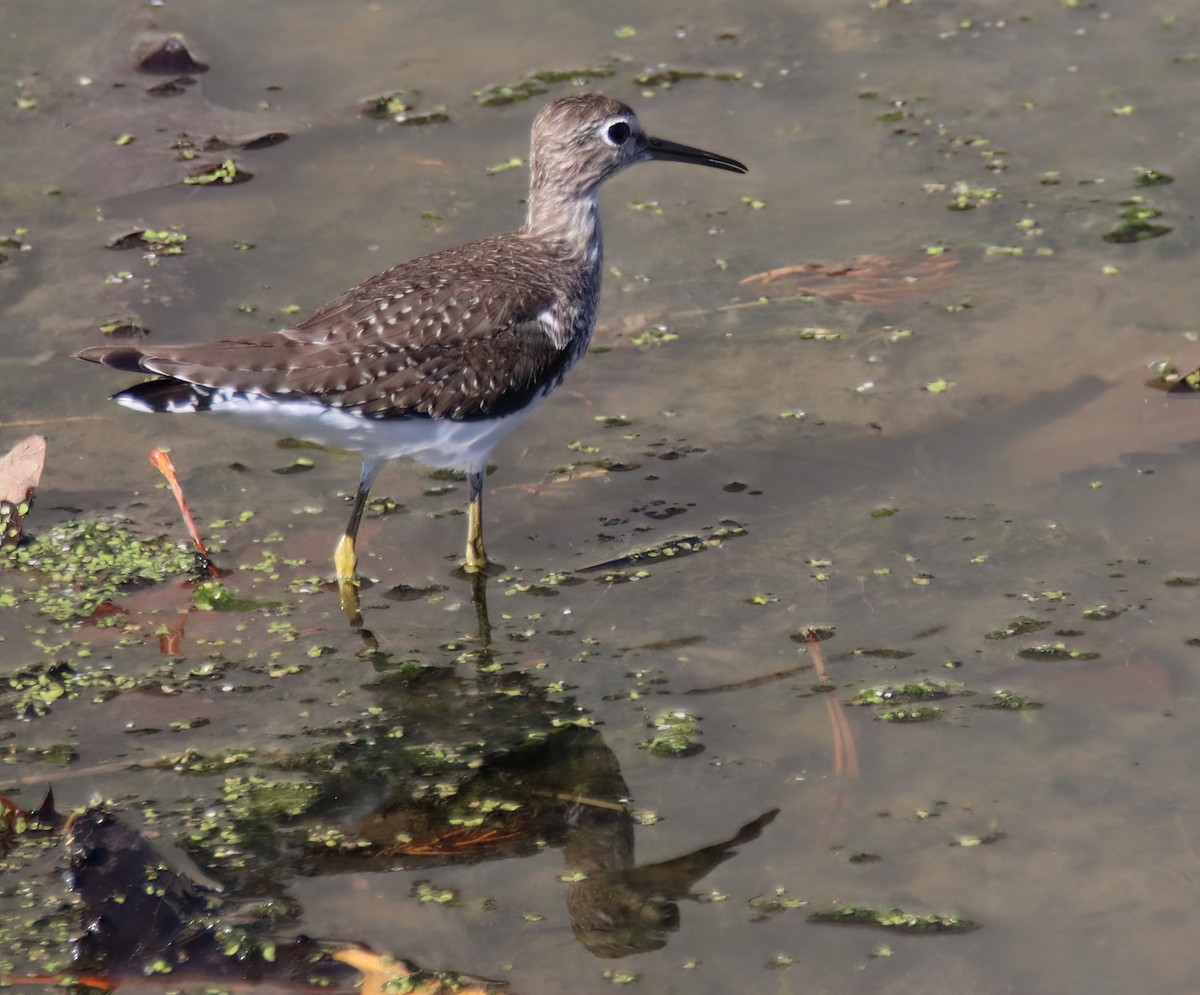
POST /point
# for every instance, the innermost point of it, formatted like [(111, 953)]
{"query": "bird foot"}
[(345, 560), (348, 599), (485, 569)]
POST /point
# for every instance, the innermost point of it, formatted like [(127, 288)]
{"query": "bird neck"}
[(570, 219)]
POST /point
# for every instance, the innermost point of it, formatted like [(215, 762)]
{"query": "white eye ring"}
[(618, 133)]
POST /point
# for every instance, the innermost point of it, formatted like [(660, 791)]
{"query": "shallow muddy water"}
[(891, 383)]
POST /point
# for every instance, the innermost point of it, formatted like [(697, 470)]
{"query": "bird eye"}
[(619, 133)]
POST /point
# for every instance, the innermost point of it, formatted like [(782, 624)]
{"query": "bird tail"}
[(165, 395), (127, 359)]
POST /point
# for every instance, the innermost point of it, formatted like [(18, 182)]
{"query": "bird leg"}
[(345, 559), (476, 554)]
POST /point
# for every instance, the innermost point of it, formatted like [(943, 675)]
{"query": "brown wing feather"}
[(456, 334)]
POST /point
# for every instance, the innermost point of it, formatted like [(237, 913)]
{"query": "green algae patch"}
[(1009, 701), (30, 693), (988, 840), (226, 173), (910, 715), (1054, 652), (167, 242), (1019, 626), (1152, 178), (400, 106), (668, 76), (81, 564), (212, 596), (256, 798), (906, 694), (896, 919), (1137, 223), (194, 761), (537, 83), (675, 733), (123, 326), (968, 198)]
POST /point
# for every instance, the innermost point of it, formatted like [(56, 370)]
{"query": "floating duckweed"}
[(667, 76), (226, 173), (400, 107), (503, 167), (1019, 626), (903, 694), (1055, 651), (1136, 223), (1102, 613), (212, 596), (922, 713), (85, 562), (1009, 701), (655, 335), (993, 837), (536, 84), (167, 242), (1152, 178), (897, 919), (675, 731), (967, 197)]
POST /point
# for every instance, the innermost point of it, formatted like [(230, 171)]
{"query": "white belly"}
[(437, 442)]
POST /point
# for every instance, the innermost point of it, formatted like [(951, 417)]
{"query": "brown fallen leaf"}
[(20, 473)]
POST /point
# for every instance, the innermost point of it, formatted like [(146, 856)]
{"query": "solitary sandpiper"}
[(438, 358)]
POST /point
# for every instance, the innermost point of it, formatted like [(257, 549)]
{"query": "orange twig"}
[(162, 463)]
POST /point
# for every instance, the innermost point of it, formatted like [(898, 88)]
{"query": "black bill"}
[(660, 148)]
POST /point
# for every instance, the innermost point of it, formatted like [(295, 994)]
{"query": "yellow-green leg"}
[(476, 554), (345, 558)]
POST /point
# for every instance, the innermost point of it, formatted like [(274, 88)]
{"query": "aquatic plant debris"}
[(666, 76), (82, 563), (670, 549), (1137, 223), (1055, 651), (537, 83), (893, 918), (916, 713), (896, 694), (400, 106), (224, 174), (1010, 701), (675, 734), (1019, 626)]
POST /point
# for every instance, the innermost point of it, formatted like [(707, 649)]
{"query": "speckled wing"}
[(492, 370), (428, 338), (462, 334)]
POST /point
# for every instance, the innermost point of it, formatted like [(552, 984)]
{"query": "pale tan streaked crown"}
[(567, 151)]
